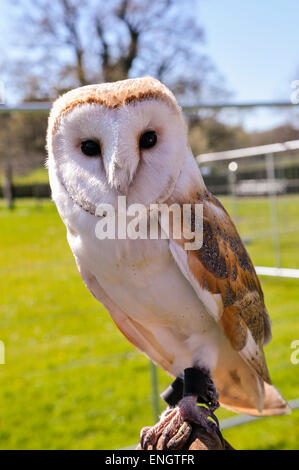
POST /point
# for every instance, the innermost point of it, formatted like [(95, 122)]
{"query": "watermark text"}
[(2, 353), (179, 222), (2, 92), (295, 354), (295, 94)]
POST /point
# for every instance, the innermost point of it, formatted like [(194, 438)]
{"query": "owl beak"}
[(119, 177)]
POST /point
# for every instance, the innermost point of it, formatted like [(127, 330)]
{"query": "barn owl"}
[(198, 314)]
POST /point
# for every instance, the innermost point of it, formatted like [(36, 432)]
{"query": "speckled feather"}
[(222, 266)]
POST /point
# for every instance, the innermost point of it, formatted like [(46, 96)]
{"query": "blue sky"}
[(253, 43)]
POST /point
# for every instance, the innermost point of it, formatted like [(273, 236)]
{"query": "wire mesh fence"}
[(261, 187), (260, 190)]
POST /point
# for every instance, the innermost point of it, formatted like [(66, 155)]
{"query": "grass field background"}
[(72, 381)]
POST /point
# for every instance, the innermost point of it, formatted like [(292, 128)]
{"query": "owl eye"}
[(90, 148), (148, 140)]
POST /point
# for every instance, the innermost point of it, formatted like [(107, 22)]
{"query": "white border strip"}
[(248, 152), (277, 272), (36, 105)]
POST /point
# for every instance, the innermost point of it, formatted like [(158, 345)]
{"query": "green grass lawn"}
[(71, 380)]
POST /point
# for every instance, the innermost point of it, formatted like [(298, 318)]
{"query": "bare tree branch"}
[(75, 42)]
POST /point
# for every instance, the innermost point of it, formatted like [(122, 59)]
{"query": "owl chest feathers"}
[(144, 280)]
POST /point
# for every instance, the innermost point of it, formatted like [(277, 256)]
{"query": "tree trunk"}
[(80, 68), (7, 185)]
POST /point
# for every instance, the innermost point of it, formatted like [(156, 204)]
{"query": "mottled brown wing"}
[(223, 266)]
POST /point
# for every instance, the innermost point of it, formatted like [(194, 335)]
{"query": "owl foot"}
[(175, 426)]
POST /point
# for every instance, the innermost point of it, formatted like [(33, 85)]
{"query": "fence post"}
[(232, 179), (7, 184), (270, 167), (155, 393)]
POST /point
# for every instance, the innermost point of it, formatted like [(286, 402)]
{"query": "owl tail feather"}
[(274, 404), (242, 390)]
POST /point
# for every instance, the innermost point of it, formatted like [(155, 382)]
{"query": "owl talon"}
[(175, 426), (149, 435), (178, 441), (143, 434)]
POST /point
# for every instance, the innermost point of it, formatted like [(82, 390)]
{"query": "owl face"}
[(126, 138)]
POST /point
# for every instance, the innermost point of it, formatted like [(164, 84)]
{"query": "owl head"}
[(124, 138)]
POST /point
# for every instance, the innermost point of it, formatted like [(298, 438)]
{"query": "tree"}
[(212, 135), (63, 44), (22, 143), (281, 133), (70, 43)]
